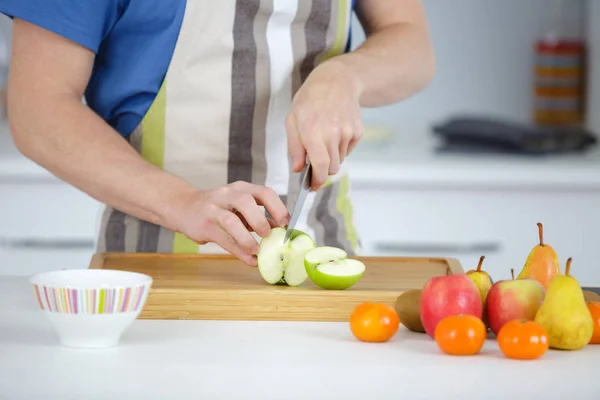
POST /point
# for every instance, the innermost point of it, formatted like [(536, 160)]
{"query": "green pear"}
[(564, 313)]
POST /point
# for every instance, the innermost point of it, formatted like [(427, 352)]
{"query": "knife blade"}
[(305, 181)]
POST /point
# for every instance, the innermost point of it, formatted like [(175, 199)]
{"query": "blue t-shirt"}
[(133, 40)]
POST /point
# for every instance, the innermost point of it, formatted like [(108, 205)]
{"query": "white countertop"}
[(411, 161), (265, 360)]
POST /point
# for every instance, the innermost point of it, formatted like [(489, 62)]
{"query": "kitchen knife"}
[(304, 190)]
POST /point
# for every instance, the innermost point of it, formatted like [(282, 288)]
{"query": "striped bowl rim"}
[(91, 299)]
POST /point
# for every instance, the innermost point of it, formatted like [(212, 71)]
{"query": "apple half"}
[(330, 268), (283, 263)]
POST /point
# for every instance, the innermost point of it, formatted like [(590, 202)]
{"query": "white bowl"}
[(91, 308)]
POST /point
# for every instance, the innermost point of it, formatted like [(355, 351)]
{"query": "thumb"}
[(295, 148)]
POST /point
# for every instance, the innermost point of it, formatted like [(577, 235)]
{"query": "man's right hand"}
[(226, 216)]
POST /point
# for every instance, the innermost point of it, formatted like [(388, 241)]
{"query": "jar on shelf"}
[(560, 66)]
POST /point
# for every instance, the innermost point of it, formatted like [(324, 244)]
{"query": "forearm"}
[(64, 136), (391, 65)]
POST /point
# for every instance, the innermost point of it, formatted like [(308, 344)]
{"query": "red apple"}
[(513, 299), (443, 296)]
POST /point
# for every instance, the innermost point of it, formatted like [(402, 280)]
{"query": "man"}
[(198, 113)]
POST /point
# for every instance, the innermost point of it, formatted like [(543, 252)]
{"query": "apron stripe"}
[(343, 207), (183, 244), (153, 128), (166, 239), (148, 237), (153, 150), (199, 94), (299, 45), (262, 92), (135, 139), (101, 242), (243, 91), (132, 230), (318, 23), (323, 225), (279, 41), (340, 33), (115, 231), (133, 226), (328, 221)]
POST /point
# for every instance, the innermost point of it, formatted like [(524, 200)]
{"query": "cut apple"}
[(283, 263), (330, 268)]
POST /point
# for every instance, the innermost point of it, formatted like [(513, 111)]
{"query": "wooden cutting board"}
[(220, 287)]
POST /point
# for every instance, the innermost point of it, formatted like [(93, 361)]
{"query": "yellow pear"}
[(564, 313), (482, 279), (542, 263), (484, 283)]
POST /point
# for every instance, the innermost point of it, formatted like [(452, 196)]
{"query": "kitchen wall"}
[(484, 60)]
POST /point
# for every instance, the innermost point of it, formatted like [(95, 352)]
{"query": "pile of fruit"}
[(540, 309)]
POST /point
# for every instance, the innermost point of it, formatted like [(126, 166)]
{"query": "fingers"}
[(328, 149), (245, 204), (356, 136), (267, 198), (295, 148), (320, 160), (344, 142), (241, 237), (272, 223), (333, 147), (228, 243)]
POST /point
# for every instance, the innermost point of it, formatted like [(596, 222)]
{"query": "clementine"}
[(523, 340), (460, 335), (371, 322), (594, 307)]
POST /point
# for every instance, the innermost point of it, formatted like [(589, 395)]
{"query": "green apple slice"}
[(330, 268), (283, 263)]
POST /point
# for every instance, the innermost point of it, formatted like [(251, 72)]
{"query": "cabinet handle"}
[(54, 244), (484, 247)]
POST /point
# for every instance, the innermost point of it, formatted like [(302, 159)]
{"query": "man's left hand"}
[(324, 121)]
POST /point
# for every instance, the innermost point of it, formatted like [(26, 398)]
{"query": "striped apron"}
[(219, 115)]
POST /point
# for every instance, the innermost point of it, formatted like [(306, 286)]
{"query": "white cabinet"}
[(466, 224), (45, 225), (46, 210)]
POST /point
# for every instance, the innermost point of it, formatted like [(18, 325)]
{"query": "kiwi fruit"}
[(408, 310), (591, 296)]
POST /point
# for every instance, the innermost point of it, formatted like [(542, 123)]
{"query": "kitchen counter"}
[(265, 360), (412, 162)]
